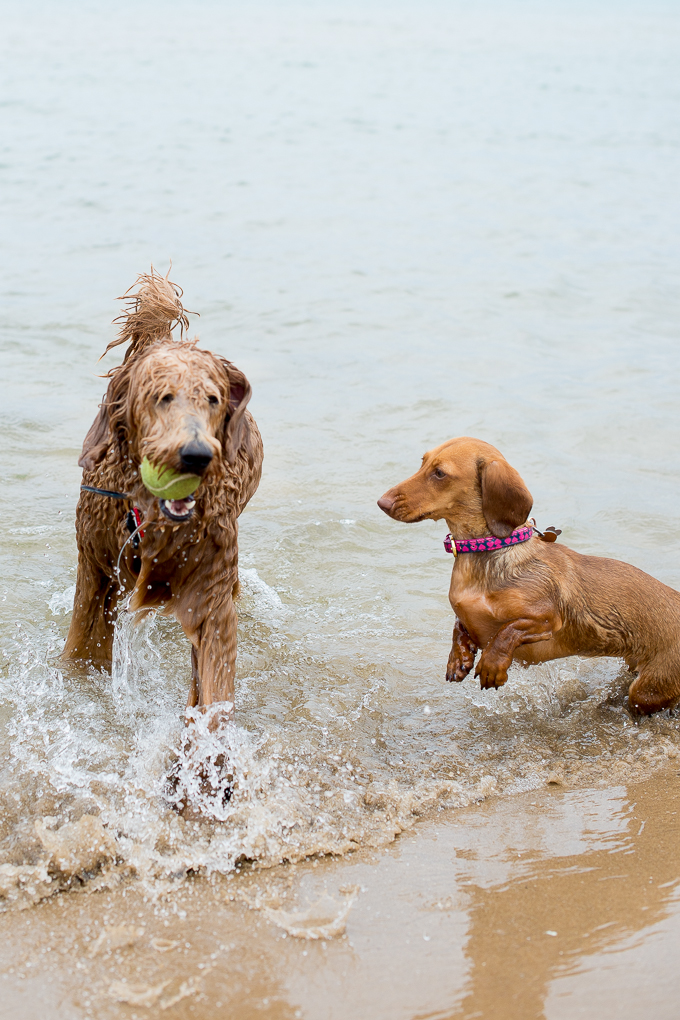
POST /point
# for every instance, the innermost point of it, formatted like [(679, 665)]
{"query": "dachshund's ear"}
[(236, 433), (97, 439), (506, 501)]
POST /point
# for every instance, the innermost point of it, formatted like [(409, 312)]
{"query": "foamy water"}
[(314, 767), (403, 223)]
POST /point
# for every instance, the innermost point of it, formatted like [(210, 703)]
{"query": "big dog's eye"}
[(438, 473), (212, 399), (167, 398)]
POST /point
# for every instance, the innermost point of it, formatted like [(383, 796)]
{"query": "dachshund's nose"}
[(195, 457), (385, 503)]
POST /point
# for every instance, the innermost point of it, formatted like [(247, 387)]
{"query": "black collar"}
[(105, 492)]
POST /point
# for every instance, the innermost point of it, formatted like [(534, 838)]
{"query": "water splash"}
[(109, 783)]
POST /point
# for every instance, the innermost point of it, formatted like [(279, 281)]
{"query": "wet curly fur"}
[(167, 393)]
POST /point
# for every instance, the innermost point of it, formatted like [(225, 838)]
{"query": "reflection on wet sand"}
[(558, 907), (507, 909)]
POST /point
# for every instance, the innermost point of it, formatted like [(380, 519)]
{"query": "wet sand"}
[(554, 903)]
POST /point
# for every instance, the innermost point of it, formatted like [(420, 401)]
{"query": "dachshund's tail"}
[(151, 312)]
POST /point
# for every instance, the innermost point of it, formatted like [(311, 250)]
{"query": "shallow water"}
[(403, 222)]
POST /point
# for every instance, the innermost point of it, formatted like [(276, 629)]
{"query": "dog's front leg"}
[(90, 636), (462, 656), (494, 662), (213, 660)]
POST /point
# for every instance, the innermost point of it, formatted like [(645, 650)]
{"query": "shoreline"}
[(552, 902)]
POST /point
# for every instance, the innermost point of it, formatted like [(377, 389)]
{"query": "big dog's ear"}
[(506, 501), (236, 433), (97, 439), (110, 425)]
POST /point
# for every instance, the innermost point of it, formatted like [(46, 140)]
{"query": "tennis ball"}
[(165, 483)]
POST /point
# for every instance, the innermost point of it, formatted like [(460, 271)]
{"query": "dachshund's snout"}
[(194, 457), (386, 503)]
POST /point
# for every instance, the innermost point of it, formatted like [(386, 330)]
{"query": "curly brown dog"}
[(531, 600), (183, 408)]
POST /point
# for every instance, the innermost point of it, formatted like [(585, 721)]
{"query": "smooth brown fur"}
[(166, 394), (536, 601)]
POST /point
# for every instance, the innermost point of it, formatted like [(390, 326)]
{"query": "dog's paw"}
[(194, 788), (457, 669), (491, 675), (461, 657)]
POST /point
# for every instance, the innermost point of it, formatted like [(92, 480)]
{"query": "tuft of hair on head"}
[(153, 310)]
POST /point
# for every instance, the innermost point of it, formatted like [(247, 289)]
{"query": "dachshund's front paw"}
[(458, 666), (491, 674), (462, 654)]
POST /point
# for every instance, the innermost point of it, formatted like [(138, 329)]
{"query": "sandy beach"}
[(555, 903)]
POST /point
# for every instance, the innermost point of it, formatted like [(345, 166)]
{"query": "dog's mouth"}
[(178, 510), (407, 516), (398, 509)]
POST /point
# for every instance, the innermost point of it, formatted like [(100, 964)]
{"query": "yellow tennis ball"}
[(165, 483)]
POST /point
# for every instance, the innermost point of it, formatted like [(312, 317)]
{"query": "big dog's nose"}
[(195, 457), (386, 503)]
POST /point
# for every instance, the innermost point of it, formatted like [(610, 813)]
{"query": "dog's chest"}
[(473, 604)]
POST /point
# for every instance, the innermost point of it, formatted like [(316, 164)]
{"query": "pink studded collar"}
[(488, 543)]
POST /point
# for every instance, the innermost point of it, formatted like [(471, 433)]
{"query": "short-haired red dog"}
[(520, 597)]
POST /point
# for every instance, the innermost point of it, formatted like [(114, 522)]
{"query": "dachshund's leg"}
[(494, 662), (657, 686), (90, 635), (213, 660), (462, 656)]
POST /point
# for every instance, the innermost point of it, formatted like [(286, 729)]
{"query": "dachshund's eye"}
[(438, 473), (212, 399), (167, 398)]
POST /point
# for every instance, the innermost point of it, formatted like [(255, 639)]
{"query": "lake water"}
[(404, 222)]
